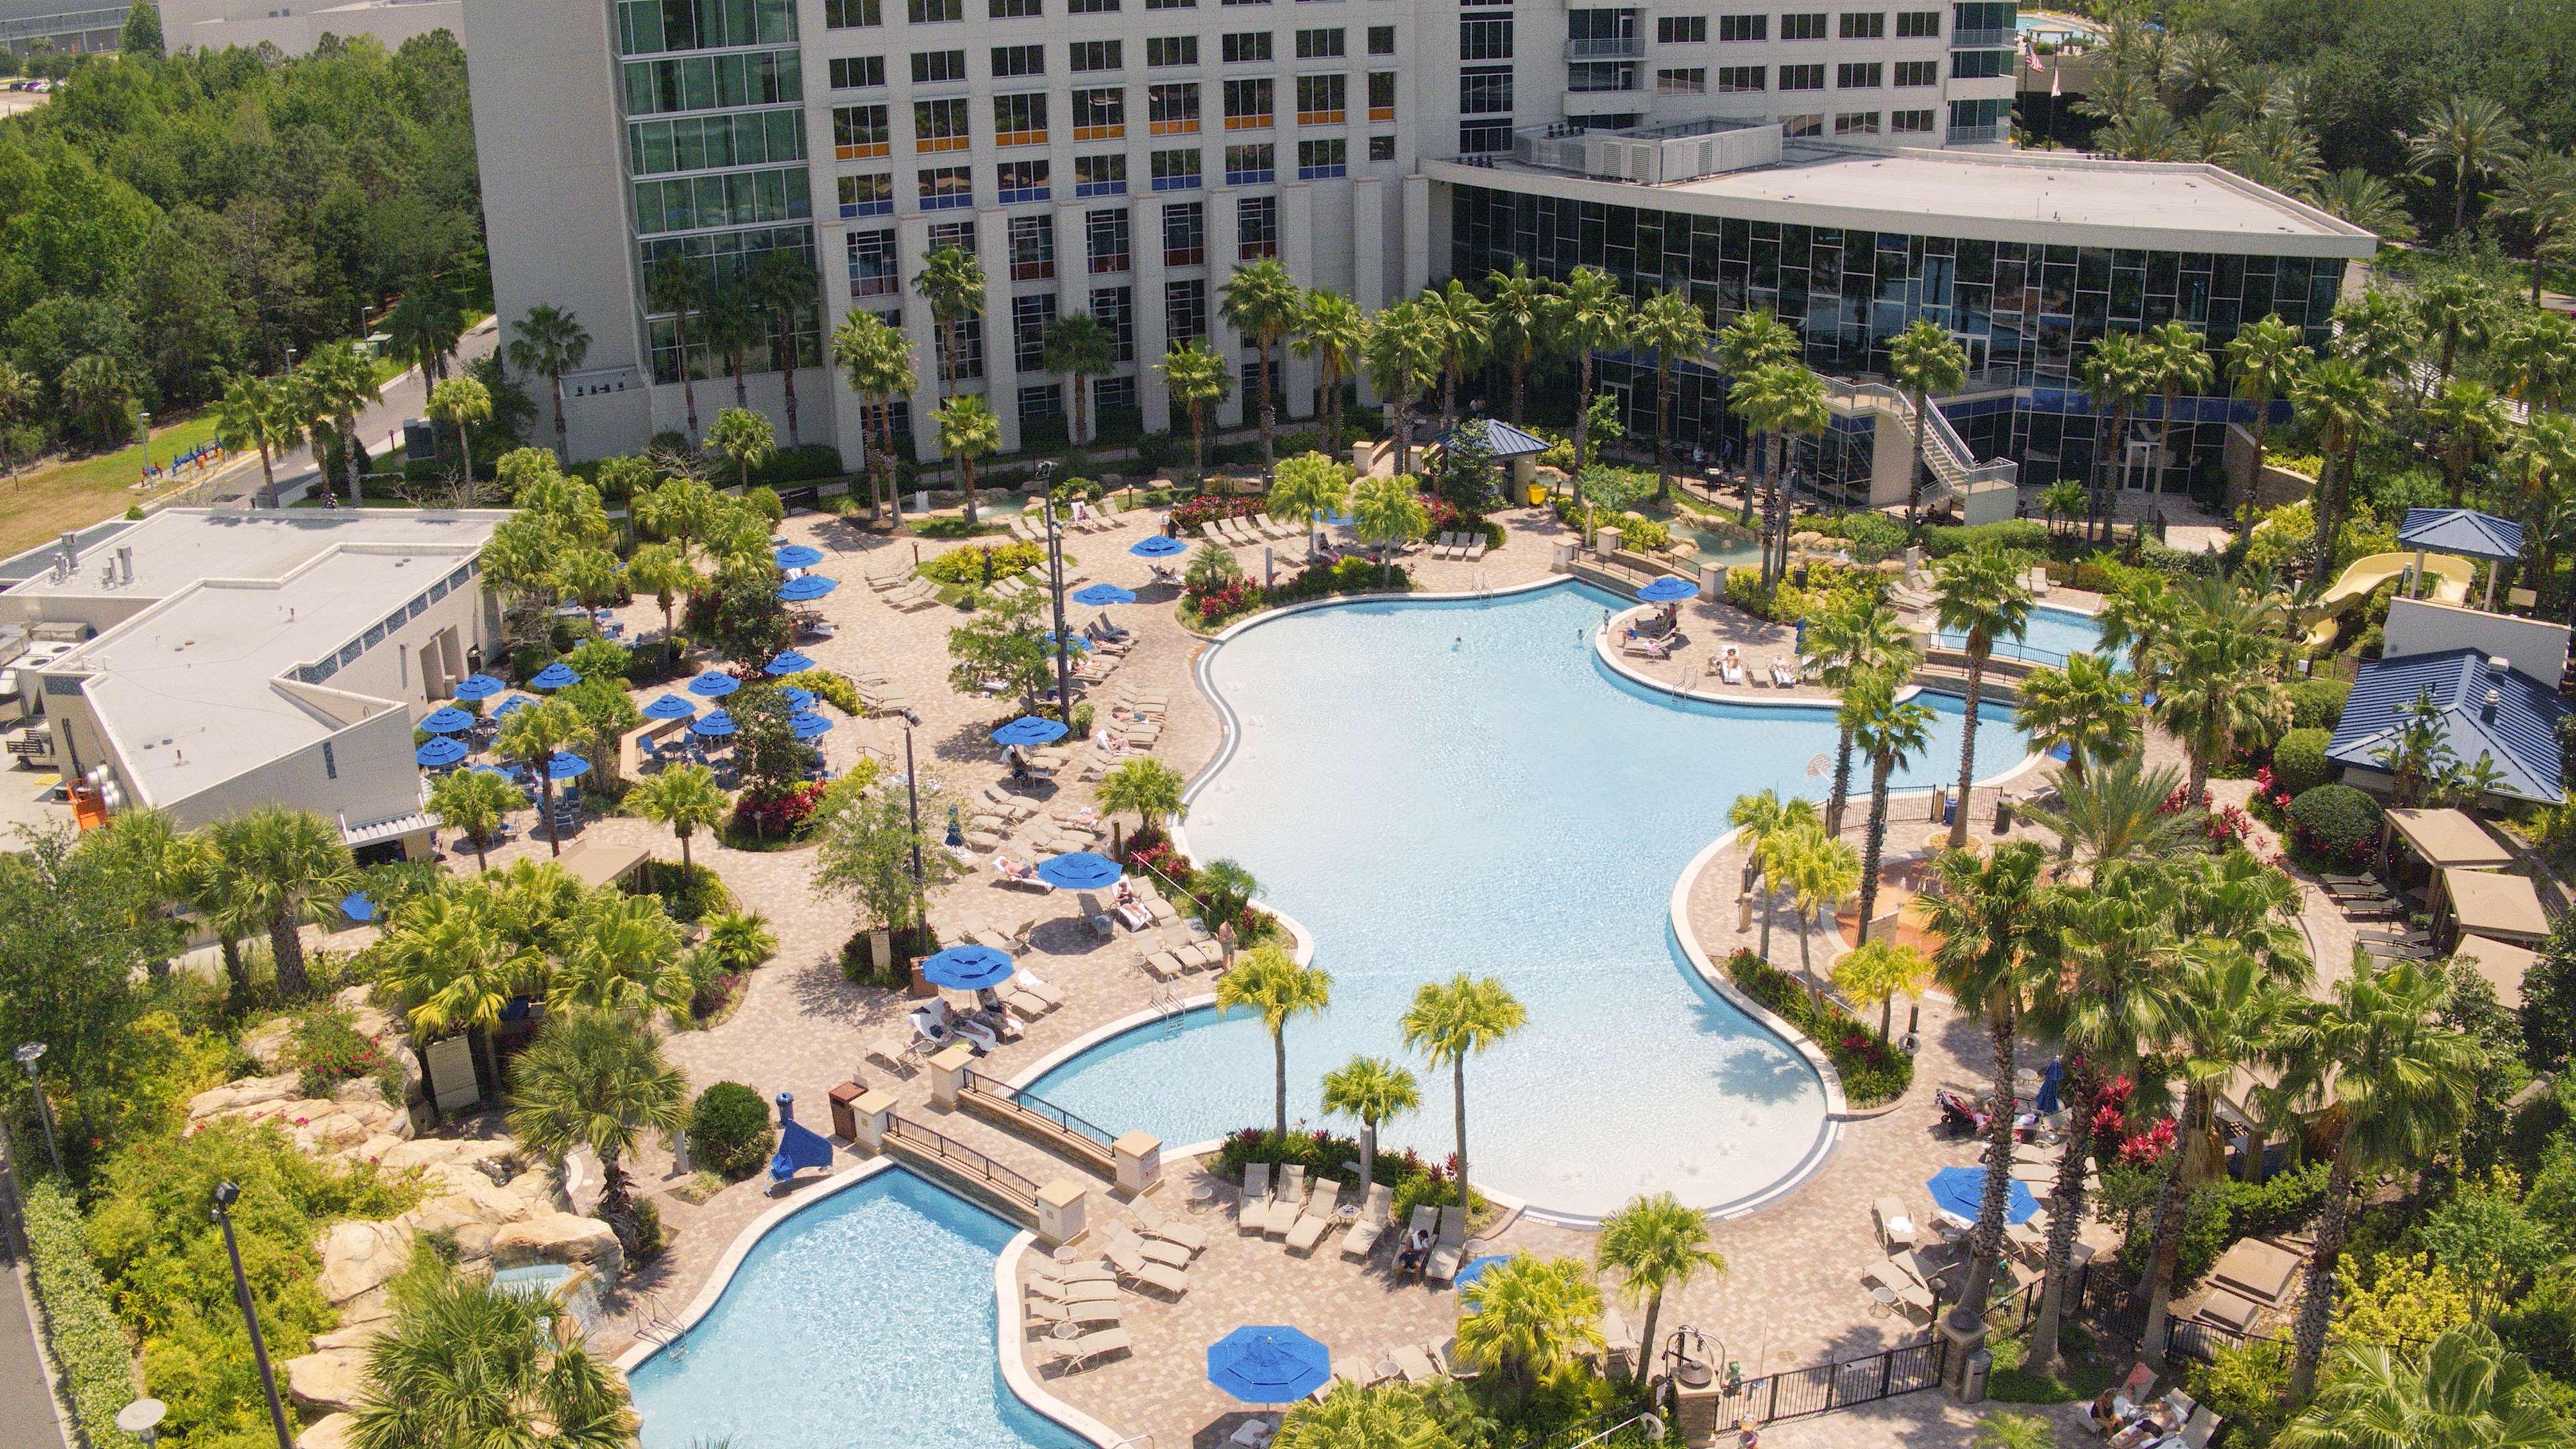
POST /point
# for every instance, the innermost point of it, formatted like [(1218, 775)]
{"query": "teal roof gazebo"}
[(2465, 532)]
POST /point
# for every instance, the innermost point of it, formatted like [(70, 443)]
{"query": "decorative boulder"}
[(358, 1256), (555, 1237), (328, 1382), (330, 1432), (247, 1093)]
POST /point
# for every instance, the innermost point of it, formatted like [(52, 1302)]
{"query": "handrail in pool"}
[(1028, 1101), (950, 1152)]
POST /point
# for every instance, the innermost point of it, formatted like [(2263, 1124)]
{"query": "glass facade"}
[(2024, 312)]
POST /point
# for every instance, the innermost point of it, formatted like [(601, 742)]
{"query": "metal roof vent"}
[(2494, 698), (2499, 663)]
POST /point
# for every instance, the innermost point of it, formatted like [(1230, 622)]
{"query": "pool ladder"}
[(659, 1327), (1167, 1009)]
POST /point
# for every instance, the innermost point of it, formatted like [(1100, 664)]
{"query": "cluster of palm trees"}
[(762, 309), (262, 873), (318, 401)]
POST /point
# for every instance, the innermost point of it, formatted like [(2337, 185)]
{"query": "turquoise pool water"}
[(1444, 787), (862, 1322), (2052, 635)]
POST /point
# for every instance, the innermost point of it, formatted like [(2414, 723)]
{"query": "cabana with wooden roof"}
[(2497, 906), (2503, 966), (2444, 839)]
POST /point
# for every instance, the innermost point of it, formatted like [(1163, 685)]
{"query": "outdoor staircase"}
[(1954, 465)]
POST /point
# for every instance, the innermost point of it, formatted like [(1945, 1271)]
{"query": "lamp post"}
[(142, 1419), (225, 1195), (912, 795), (1055, 590), (27, 1055), (143, 426)]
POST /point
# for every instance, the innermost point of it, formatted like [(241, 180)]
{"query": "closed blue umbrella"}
[(1079, 870), (447, 719), (1961, 1192), (715, 725), (2051, 1077), (967, 968), (795, 556), (566, 765), (806, 590), (1668, 590), (713, 685), (478, 686), (808, 724), (790, 662), (441, 752), (1102, 595), (669, 706), (1030, 729), (554, 676), (1268, 1365), (1158, 545), (357, 907), (797, 698)]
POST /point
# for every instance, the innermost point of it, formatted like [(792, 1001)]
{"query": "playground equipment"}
[(2451, 577)]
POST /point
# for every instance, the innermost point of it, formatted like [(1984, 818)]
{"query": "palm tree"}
[(1198, 380), (2464, 1392), (1670, 326), (2217, 679), (1877, 971), (2466, 136), (2118, 814), (952, 282), (550, 343), (1656, 1246), (1465, 326), (596, 1079), (460, 402), (678, 286), (1387, 513), (1310, 486), (1144, 787), (1270, 981), (425, 327), (469, 1362), (1986, 914), (1980, 598), (1766, 820), (1531, 1320), (2265, 360), (2540, 464), (1078, 345), (2455, 307), (1853, 637), (2063, 501), (683, 797), (1262, 302), (2118, 371), (1783, 400), (878, 363), (206, 876), (338, 380), (1371, 1089), (1382, 1416), (2540, 191), (1924, 359), (2179, 358), (288, 866), (744, 438), (2375, 1063), (967, 431), (1891, 734), (782, 282), (1589, 315), (657, 569), (624, 957), (2469, 421), (1334, 331), (734, 323), (18, 397), (1450, 1021), (531, 736), (2090, 708), (1753, 341), (254, 413), (2344, 405), (475, 802), (1819, 872), (2378, 332), (2355, 195), (448, 967), (1521, 328), (1403, 348)]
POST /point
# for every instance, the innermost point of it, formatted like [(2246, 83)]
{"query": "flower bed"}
[(1874, 1073)]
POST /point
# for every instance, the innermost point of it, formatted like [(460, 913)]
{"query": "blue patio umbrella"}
[(478, 686), (2050, 1078), (496, 770), (967, 968), (1476, 1270), (1158, 546), (806, 590), (554, 676), (357, 907), (447, 719), (797, 698), (1079, 870), (1268, 1365), (790, 662), (511, 706), (1961, 1191), (1029, 729), (1074, 642), (714, 726), (1668, 590), (565, 765), (669, 706), (713, 685), (1102, 595), (808, 724), (795, 556), (441, 752)]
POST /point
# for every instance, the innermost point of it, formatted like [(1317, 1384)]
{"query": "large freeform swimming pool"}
[(1440, 787), (864, 1321)]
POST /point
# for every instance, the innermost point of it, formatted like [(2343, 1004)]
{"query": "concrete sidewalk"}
[(26, 1380)]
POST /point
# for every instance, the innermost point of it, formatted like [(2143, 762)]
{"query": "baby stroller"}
[(1959, 1116)]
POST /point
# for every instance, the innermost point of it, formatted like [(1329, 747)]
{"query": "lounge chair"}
[(1731, 669), (2197, 1429), (1475, 546), (1039, 1316), (1895, 1229), (1784, 674), (1287, 1202), (1318, 1217), (1170, 1255), (1902, 1290), (1079, 1353), (1361, 1240), (1020, 875), (1451, 1246), (1030, 995), (1645, 648), (1103, 1290), (1413, 1364), (1156, 1225), (2026, 1242), (1253, 1209), (1134, 1267)]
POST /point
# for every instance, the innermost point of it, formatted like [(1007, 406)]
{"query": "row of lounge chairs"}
[(1250, 530), (2380, 918), (1467, 547), (1080, 517)]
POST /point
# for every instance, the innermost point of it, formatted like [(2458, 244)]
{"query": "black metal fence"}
[(1823, 1388), (958, 1155), (1031, 1102)]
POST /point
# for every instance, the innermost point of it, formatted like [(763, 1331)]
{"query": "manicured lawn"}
[(40, 504)]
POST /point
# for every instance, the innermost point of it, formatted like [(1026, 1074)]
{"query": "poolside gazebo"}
[(2462, 531), (2502, 965), (2497, 906), (1510, 446)]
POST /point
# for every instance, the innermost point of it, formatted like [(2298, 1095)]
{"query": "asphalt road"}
[(405, 398)]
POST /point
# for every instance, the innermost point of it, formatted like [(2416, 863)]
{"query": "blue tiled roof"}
[(1505, 441), (2463, 531), (2520, 735)]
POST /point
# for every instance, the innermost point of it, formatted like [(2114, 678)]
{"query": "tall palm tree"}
[(1521, 330), (1450, 1021), (734, 322), (1671, 327), (2540, 192), (1531, 1320), (1371, 1090), (1465, 325), (1852, 638), (1891, 735), (877, 361), (2540, 464), (469, 1362), (461, 402), (1878, 971), (550, 342), (2356, 195), (2464, 1392), (1078, 345), (2456, 308), (1403, 349), (1765, 820), (2465, 136), (683, 797), (1753, 341), (425, 326), (597, 1079), (1656, 1246), (1590, 315), (1985, 914), (2375, 1063), (2344, 405), (745, 439), (2218, 677), (531, 736), (2265, 360), (782, 283), (678, 286), (1820, 872), (1145, 787), (952, 282), (448, 966), (1981, 598), (1335, 332), (2118, 813), (1924, 359), (255, 412), (625, 956), (2468, 422), (658, 569), (968, 430), (1312, 487), (2180, 359), (1269, 981), (2378, 332), (2089, 708), (2118, 371), (338, 380), (1262, 302), (1387, 513), (290, 866), (475, 803), (207, 878)]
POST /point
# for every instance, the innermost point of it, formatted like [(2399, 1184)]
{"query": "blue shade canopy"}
[(806, 590), (1158, 546), (357, 907), (1074, 642), (796, 556), (669, 706), (1502, 440), (1270, 1365), (1079, 870), (1029, 729), (2463, 531), (555, 676), (479, 686), (967, 968), (1101, 595), (713, 685), (566, 766), (1668, 590), (447, 719), (496, 770), (440, 753), (808, 724), (790, 662), (1476, 1270), (511, 706), (797, 698), (1961, 1192), (714, 725)]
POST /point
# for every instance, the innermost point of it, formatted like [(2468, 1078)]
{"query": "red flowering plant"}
[(775, 812), (2228, 823), (2111, 1108), (2146, 1149), (1189, 513)]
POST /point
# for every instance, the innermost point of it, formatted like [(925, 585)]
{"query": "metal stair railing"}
[(1952, 461)]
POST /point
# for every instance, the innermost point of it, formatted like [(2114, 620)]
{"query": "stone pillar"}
[(1964, 1359), (1696, 1413), (948, 1075), (1061, 1211), (1416, 208), (1140, 1163), (875, 1112)]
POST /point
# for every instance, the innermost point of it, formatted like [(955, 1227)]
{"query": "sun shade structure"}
[(1029, 729), (1074, 642), (797, 698), (1502, 440), (2461, 531), (714, 725), (713, 685), (1157, 546), (799, 1146), (669, 706), (566, 766), (441, 752), (478, 686), (1102, 595), (2503, 907), (2488, 708), (2446, 838), (807, 724), (790, 662), (1079, 870), (595, 863), (447, 719), (1961, 1192), (968, 968), (807, 589), (555, 676), (357, 907), (2504, 966), (796, 556), (1268, 1365), (1668, 590), (511, 706), (1476, 1270)]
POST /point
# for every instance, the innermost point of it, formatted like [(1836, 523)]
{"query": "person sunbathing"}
[(1019, 871)]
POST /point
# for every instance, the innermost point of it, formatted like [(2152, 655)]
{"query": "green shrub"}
[(1873, 1072), (2246, 1385), (2027, 534), (1872, 537), (328, 1049), (2317, 704), (80, 1326), (977, 566), (1643, 535), (2335, 822), (832, 688), (2299, 761), (729, 1130)]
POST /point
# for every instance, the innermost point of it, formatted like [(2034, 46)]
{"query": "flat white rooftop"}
[(181, 546)]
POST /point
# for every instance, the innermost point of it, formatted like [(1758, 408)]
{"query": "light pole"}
[(912, 794), (27, 1055), (143, 426), (225, 1194), (1055, 590)]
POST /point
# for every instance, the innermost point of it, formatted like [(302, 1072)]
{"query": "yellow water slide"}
[(2451, 577)]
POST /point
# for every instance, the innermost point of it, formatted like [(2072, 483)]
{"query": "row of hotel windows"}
[(945, 188), (1010, 62), (860, 14), (1598, 76), (1491, 138), (1108, 243), (863, 133)]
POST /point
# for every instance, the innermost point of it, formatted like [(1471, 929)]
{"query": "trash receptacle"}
[(845, 1118), (1972, 1379), (2003, 815)]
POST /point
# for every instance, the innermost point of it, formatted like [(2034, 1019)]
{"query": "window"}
[(1017, 9), (1381, 95), (1601, 75), (1091, 7), (1255, 164), (1172, 110), (1171, 4), (1100, 175), (1381, 148), (736, 198), (872, 264), (1484, 138), (644, 25), (1018, 60), (1246, 47), (859, 132), (1319, 44), (934, 12), (866, 195), (1918, 24), (1485, 39), (1737, 79), (1256, 227), (1185, 234), (1681, 29), (1856, 123), (1100, 114), (941, 126), (1185, 311), (1381, 40), (1176, 170), (1115, 309), (1322, 160), (1020, 120), (936, 67), (1802, 125), (1909, 122), (1803, 27), (1172, 50), (1021, 181), (850, 14), (857, 72), (1029, 319), (1691, 82), (1979, 64), (1250, 105), (1743, 27), (1096, 55), (1859, 75), (1104, 238), (1485, 91), (1918, 72), (970, 348), (1863, 25), (1041, 402), (699, 143), (1322, 100), (954, 236), (1802, 77), (1032, 248), (1109, 394), (945, 188)]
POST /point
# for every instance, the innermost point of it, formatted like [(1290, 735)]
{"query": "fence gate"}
[(1823, 1388)]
